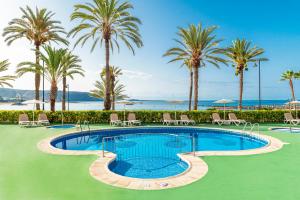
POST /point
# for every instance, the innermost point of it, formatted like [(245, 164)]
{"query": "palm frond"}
[(36, 26), (241, 53), (196, 45), (106, 20), (4, 80)]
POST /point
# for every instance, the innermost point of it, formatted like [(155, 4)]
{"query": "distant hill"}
[(6, 93)]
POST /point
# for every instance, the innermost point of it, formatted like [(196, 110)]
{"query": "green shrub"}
[(96, 117)]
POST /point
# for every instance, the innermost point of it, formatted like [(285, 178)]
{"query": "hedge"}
[(96, 117)]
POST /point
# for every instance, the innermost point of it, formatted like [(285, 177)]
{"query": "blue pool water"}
[(288, 130), (66, 126), (152, 152)]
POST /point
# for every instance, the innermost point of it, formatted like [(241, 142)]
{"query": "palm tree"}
[(71, 68), (289, 76), (100, 90), (115, 72), (241, 53), (54, 69), (190, 68), (4, 80), (39, 28), (198, 46), (108, 21)]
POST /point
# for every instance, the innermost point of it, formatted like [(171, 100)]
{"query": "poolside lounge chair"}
[(288, 118), (167, 120), (184, 119), (24, 120), (235, 120), (132, 120), (217, 119), (43, 120), (114, 120)]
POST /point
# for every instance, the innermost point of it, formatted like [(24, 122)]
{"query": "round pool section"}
[(66, 126), (153, 152), (150, 155), (286, 130)]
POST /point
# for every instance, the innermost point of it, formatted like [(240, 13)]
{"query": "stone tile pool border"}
[(197, 167)]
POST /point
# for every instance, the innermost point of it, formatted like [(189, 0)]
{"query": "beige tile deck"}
[(197, 167)]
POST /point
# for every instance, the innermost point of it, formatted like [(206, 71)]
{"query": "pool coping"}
[(197, 167)]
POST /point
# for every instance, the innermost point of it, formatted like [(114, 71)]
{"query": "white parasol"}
[(295, 103), (224, 102), (125, 103), (34, 102), (176, 102)]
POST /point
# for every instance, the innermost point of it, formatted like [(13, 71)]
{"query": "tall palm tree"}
[(106, 21), (289, 76), (198, 46), (4, 80), (190, 68), (39, 28), (241, 53), (54, 69), (100, 90), (115, 72), (71, 67)]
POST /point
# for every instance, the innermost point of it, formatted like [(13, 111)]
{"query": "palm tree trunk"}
[(196, 80), (292, 89), (113, 102), (113, 93), (53, 94), (37, 76), (64, 93), (241, 89), (191, 89), (107, 99)]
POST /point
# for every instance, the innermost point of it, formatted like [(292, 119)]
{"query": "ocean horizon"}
[(144, 105)]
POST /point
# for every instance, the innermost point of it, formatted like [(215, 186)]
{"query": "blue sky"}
[(273, 26)]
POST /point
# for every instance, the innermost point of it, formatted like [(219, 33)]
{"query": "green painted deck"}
[(27, 173)]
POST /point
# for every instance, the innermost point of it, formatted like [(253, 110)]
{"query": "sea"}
[(144, 105)]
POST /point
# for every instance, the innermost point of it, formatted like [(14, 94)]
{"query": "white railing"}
[(252, 127), (84, 126)]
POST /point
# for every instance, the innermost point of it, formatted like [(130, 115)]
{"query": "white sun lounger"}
[(24, 120), (114, 120), (132, 120), (217, 119), (167, 120), (43, 120), (288, 118), (235, 120), (184, 119)]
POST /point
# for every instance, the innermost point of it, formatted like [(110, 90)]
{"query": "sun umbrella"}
[(295, 102), (33, 102), (176, 102), (224, 102), (125, 103)]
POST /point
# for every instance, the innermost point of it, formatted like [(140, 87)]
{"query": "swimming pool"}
[(65, 126), (153, 152), (286, 129)]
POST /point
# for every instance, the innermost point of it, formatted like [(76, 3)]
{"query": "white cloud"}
[(136, 75)]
